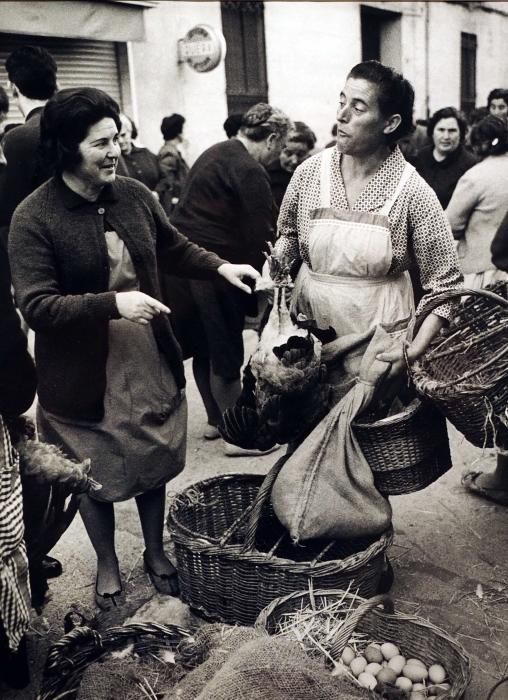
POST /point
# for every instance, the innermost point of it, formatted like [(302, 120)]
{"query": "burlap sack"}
[(326, 487), (273, 668)]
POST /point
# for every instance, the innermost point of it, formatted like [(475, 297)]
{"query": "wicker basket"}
[(414, 636), (69, 657), (407, 451), (234, 556), (465, 369)]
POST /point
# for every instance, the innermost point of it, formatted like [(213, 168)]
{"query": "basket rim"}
[(420, 622), (417, 403), (198, 542)]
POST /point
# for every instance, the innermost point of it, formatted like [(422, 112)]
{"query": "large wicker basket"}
[(407, 451), (465, 369), (75, 651), (414, 636), (234, 556)]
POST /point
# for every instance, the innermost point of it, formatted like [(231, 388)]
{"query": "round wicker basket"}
[(464, 372), (234, 556), (414, 636), (407, 451), (71, 655)]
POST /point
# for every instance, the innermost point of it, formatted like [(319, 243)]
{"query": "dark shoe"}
[(51, 568), (108, 601), (164, 583), (387, 578)]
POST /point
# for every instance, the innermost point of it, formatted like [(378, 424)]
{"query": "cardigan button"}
[(101, 210)]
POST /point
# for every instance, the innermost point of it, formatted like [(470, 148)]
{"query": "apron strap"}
[(324, 185), (406, 174)]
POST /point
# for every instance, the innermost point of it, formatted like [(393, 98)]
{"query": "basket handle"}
[(456, 294), (259, 502), (253, 511), (342, 637), (77, 636)]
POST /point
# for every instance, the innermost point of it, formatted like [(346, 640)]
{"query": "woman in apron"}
[(358, 217)]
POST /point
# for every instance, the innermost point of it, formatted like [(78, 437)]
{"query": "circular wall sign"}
[(202, 48)]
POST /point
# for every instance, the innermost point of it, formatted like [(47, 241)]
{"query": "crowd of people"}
[(101, 239)]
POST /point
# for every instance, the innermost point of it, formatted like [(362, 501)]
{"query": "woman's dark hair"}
[(172, 126), (261, 120), (66, 119), (447, 113), (395, 94), (497, 94), (33, 71), (490, 132), (232, 124), (301, 133)]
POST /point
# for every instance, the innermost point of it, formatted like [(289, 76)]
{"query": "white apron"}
[(346, 285)]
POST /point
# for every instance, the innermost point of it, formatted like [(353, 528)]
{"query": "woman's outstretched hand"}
[(234, 274), (138, 307)]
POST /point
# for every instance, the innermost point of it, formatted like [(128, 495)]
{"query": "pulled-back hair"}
[(395, 94), (261, 120), (301, 133), (497, 94), (66, 119), (447, 113), (33, 71), (490, 131)]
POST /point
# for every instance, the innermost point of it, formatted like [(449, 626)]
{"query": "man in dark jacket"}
[(32, 74)]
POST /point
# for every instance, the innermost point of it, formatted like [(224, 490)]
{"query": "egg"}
[(347, 655), (397, 663), (415, 672), (358, 665), (437, 674), (416, 661), (367, 680), (389, 650), (386, 675), (373, 654), (373, 668), (418, 686), (404, 684)]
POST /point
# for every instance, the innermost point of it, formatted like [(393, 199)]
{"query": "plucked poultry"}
[(285, 392)]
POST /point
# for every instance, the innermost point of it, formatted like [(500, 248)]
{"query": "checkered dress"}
[(420, 232), (14, 587)]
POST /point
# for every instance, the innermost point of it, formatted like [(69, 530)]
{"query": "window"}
[(468, 47), (244, 29)]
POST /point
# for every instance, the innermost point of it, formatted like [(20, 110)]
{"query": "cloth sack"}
[(326, 487)]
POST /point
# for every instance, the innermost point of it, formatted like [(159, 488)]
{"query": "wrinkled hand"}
[(138, 307), (234, 274), (395, 356)]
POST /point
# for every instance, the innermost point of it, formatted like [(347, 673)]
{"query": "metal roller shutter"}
[(80, 63)]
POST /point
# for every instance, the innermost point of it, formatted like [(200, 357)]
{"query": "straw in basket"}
[(414, 636), (465, 369), (234, 556)]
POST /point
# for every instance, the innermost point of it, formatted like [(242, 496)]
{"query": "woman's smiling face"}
[(99, 152), (361, 128)]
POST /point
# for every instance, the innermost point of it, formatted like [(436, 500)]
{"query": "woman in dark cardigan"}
[(85, 248)]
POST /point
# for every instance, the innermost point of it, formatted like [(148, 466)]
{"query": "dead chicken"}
[(285, 392)]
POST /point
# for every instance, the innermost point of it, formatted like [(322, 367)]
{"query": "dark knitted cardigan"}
[(60, 270)]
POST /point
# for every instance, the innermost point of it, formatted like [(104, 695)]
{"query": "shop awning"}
[(110, 21)]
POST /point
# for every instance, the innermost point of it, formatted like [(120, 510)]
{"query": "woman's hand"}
[(395, 355), (234, 274), (138, 307)]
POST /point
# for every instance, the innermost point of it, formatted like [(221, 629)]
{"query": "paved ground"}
[(449, 556)]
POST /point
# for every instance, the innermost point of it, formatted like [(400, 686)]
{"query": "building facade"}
[(295, 55)]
